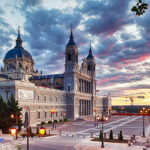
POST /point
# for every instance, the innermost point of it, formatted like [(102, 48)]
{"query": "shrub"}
[(120, 136), (55, 121), (100, 135), (60, 120), (37, 130), (50, 122), (65, 119), (111, 135), (42, 123)]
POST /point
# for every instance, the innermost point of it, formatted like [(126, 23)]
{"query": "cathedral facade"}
[(72, 93)]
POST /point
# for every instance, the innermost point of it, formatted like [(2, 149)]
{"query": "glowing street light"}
[(95, 109), (13, 131), (42, 131), (143, 111), (53, 111)]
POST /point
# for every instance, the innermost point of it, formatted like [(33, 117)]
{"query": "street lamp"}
[(64, 114), (143, 111), (122, 109), (16, 117), (102, 144), (53, 111), (42, 131), (95, 109), (13, 131)]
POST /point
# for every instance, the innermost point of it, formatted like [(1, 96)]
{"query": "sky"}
[(120, 40)]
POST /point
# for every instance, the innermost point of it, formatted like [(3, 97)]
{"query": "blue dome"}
[(18, 52)]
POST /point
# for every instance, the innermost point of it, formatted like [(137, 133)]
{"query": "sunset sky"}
[(120, 40)]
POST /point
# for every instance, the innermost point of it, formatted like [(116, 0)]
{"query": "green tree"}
[(13, 108), (140, 8), (100, 135), (4, 118), (111, 135), (120, 136)]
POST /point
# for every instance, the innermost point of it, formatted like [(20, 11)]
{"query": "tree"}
[(100, 135), (111, 135), (4, 123), (13, 108), (120, 136), (140, 8)]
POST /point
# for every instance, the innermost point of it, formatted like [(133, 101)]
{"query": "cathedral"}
[(72, 93)]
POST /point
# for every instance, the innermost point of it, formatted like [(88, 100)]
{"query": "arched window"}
[(69, 57), (89, 68)]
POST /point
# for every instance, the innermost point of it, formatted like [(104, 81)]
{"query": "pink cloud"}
[(106, 80)]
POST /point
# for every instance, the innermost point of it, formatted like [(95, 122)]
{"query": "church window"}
[(38, 98), (38, 115), (89, 67), (69, 88), (45, 114), (69, 57), (20, 65)]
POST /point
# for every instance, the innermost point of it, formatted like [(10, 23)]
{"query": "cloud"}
[(105, 16)]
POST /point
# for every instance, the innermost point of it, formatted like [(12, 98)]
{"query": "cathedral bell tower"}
[(91, 65), (70, 74), (71, 55)]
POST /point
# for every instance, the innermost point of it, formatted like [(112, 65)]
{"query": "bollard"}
[(60, 132), (72, 135), (84, 136), (91, 134), (49, 131), (78, 135), (67, 134)]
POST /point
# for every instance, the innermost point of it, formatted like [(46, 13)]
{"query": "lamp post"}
[(95, 109), (16, 117), (42, 131), (122, 110), (64, 114), (143, 111), (13, 131), (53, 111), (102, 144)]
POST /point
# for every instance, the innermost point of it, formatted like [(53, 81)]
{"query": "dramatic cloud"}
[(120, 40)]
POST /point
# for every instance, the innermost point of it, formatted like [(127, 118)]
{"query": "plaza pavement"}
[(74, 143)]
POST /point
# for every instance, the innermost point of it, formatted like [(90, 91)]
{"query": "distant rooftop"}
[(47, 76)]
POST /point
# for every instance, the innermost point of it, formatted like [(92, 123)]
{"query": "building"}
[(72, 93)]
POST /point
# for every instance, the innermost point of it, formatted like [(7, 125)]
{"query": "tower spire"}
[(90, 55), (18, 40), (71, 40)]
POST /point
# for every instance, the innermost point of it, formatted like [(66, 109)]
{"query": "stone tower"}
[(71, 69)]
